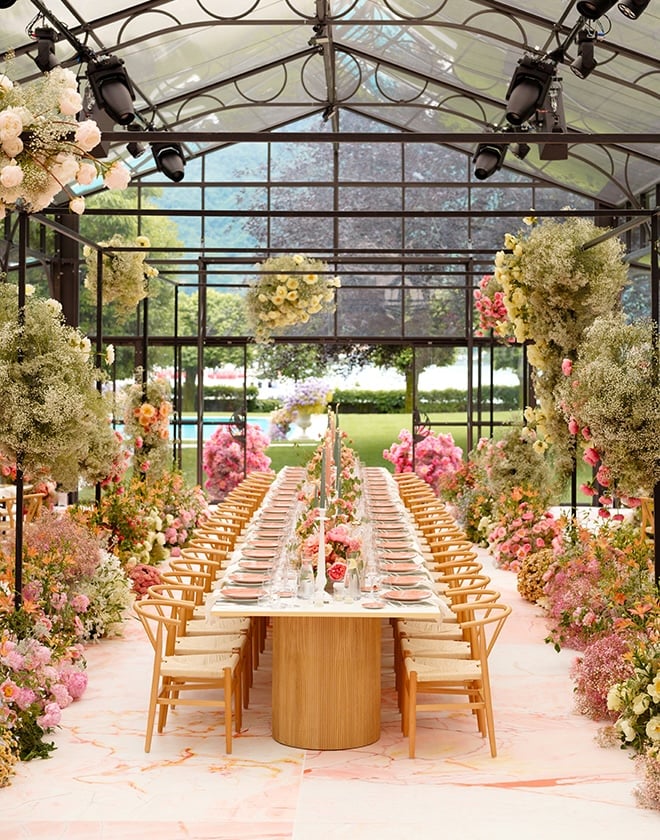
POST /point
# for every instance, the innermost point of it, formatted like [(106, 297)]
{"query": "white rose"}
[(640, 704), (653, 728), (109, 354), (29, 289), (11, 124), (77, 205), (12, 146), (117, 177), (11, 175), (5, 83), (88, 135), (54, 305), (86, 173), (70, 102)]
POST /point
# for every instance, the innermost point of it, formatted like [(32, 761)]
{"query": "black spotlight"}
[(45, 58), (136, 149), (169, 160), (528, 88), (488, 158), (112, 88), (585, 62), (633, 8), (520, 150), (593, 9)]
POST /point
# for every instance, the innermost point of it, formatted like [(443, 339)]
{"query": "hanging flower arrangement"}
[(43, 147), (289, 290), (125, 274)]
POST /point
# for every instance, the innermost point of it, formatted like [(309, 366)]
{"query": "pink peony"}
[(567, 367)]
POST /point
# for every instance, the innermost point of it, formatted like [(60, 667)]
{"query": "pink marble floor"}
[(550, 779)]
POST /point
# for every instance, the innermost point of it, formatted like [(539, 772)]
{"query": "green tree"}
[(225, 316)]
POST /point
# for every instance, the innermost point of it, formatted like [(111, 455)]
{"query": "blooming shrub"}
[(226, 462), (436, 455), (603, 664), (600, 583), (144, 576), (35, 685), (288, 290), (637, 700), (522, 527), (145, 521)]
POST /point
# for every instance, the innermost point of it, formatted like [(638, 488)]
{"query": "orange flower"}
[(146, 414)]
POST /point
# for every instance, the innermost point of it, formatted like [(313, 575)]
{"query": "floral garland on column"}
[(147, 410), (552, 291), (125, 273), (52, 416)]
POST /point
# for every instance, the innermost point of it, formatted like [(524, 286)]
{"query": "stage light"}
[(633, 8), (593, 9), (112, 88), (488, 158), (585, 63), (528, 88), (135, 149), (45, 58), (6, 4), (169, 160), (519, 150)]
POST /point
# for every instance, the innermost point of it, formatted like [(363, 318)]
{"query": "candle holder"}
[(321, 578)]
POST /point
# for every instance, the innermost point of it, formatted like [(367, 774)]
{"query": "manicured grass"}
[(368, 434)]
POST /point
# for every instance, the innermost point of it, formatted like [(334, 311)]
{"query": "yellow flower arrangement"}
[(288, 290), (125, 273)]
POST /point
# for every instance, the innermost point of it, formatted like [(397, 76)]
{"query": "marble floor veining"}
[(550, 779)]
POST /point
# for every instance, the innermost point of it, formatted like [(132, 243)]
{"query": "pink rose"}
[(567, 367)]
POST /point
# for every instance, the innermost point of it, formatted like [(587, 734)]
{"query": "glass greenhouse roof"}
[(436, 67)]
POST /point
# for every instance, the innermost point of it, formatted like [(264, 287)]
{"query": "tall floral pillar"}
[(43, 148)]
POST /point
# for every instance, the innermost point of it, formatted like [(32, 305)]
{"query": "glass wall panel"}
[(369, 312)]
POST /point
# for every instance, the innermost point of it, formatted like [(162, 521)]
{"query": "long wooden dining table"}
[(326, 664)]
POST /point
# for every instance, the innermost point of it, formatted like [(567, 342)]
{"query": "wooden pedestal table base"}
[(326, 682)]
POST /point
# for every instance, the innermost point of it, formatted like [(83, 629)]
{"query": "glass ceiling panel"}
[(419, 65)]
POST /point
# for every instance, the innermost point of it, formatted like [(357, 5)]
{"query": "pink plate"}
[(407, 595), (255, 565), (395, 556), (258, 553), (270, 544), (235, 593), (373, 605), (251, 578), (402, 580), (399, 567)]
